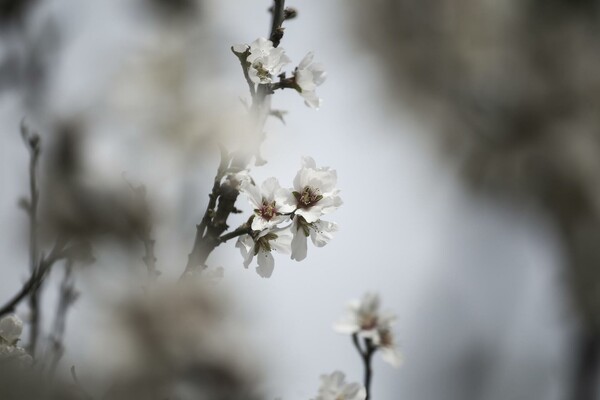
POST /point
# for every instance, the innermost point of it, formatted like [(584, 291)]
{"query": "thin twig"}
[(278, 11), (32, 141), (366, 356), (36, 279), (68, 295)]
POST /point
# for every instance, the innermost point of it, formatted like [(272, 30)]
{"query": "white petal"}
[(304, 79), (240, 48), (311, 99), (299, 243), (246, 245), (392, 356), (321, 232), (310, 214), (269, 187), (11, 327), (283, 242), (259, 223), (252, 192), (285, 200), (306, 61), (347, 327), (309, 162), (266, 263)]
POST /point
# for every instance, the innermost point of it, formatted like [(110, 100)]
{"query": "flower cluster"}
[(313, 195), (264, 62), (365, 320), (334, 387), (10, 333)]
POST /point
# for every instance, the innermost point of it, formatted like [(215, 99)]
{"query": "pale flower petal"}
[(321, 232), (299, 244), (11, 328), (266, 263)]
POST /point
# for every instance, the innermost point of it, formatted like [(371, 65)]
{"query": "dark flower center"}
[(267, 210), (308, 197)]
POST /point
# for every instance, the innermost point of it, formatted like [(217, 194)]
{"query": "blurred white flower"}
[(268, 203), (320, 232), (387, 345), (365, 320), (334, 387), (308, 76), (11, 327), (265, 60), (261, 246), (314, 191)]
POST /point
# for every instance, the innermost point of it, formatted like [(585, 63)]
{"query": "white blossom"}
[(308, 76), (320, 232), (315, 192), (334, 387), (268, 203), (11, 327), (365, 320), (265, 60), (261, 246)]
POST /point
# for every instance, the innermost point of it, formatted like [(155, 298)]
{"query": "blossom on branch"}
[(265, 61), (268, 203), (11, 328), (366, 321), (334, 387), (320, 232), (315, 192), (308, 76), (260, 245)]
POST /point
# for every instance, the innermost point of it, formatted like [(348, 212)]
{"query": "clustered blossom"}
[(365, 320), (264, 62), (313, 195), (10, 333), (334, 387)]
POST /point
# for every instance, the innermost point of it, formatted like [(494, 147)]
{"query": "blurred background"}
[(466, 140)]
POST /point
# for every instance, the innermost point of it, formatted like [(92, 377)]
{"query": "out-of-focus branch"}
[(366, 355), (36, 279), (32, 141), (68, 295)]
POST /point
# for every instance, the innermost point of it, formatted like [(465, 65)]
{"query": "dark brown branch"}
[(242, 230), (366, 355), (278, 11), (36, 279)]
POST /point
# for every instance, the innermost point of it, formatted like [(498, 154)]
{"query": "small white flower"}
[(11, 327), (265, 60), (320, 232), (387, 345), (365, 320), (308, 76), (268, 203), (314, 191), (261, 246), (334, 387)]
